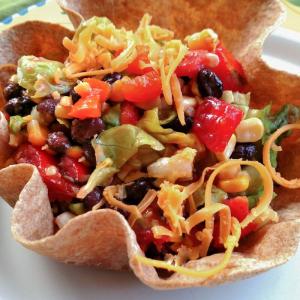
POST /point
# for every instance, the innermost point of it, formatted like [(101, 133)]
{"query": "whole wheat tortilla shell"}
[(103, 238)]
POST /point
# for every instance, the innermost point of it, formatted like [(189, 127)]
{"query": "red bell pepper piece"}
[(71, 168), (59, 188), (135, 68), (129, 113), (144, 88), (90, 103), (214, 123), (192, 63), (144, 235), (230, 71), (239, 208)]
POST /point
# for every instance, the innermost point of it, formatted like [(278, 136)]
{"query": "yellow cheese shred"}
[(290, 184), (230, 244), (264, 200), (109, 193), (177, 95), (143, 205)]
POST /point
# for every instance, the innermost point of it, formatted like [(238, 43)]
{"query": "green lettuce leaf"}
[(38, 76), (112, 117), (288, 114), (217, 195), (122, 142), (99, 177), (150, 123)]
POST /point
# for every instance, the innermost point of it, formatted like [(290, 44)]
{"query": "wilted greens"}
[(122, 142), (41, 76)]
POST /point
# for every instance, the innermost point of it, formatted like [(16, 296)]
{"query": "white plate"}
[(26, 275)]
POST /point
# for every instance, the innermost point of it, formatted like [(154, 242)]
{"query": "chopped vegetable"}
[(112, 117), (192, 63), (129, 114), (90, 104), (239, 207), (40, 76), (142, 89), (122, 142), (230, 71), (16, 123), (59, 188), (150, 123), (137, 66), (73, 170), (215, 122)]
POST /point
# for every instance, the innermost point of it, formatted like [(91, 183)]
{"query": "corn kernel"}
[(235, 185), (230, 172), (37, 134), (225, 155), (249, 130), (66, 101), (62, 112)]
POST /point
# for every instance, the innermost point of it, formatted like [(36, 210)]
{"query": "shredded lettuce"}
[(112, 117), (151, 124), (101, 176), (122, 142), (16, 123), (289, 113), (217, 194), (41, 76)]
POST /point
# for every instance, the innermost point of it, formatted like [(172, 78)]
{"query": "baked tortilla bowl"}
[(103, 238)]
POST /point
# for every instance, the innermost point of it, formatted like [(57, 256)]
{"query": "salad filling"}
[(160, 130)]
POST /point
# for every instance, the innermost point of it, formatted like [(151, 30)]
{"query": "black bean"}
[(89, 153), (60, 127), (209, 84), (112, 77), (12, 90), (75, 97), (58, 142), (47, 107), (19, 106), (136, 191), (83, 130), (246, 151), (93, 198), (176, 125)]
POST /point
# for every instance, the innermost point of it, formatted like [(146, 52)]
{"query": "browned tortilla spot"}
[(104, 238)]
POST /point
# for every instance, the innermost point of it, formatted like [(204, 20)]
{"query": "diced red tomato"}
[(135, 68), (90, 103), (59, 188), (239, 208), (144, 88), (192, 63), (71, 168), (129, 113), (87, 107), (230, 71), (214, 123), (143, 232)]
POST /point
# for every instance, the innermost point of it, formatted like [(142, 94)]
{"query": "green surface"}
[(10, 7)]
